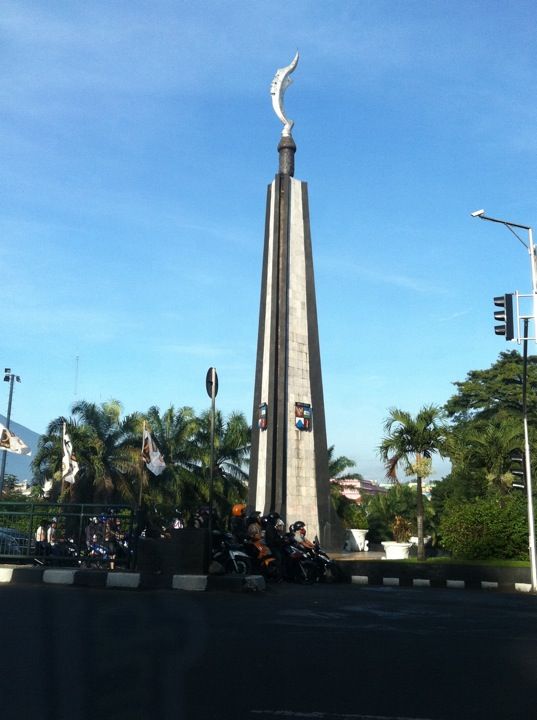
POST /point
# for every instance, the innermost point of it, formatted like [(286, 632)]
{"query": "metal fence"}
[(66, 534)]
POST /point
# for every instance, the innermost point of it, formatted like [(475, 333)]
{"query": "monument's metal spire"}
[(286, 147)]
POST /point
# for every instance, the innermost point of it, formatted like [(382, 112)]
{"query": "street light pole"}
[(527, 456), (211, 383), (10, 378), (527, 462)]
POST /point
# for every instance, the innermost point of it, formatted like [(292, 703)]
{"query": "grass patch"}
[(453, 561)]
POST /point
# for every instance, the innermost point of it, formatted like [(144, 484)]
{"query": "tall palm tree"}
[(232, 452), (108, 460), (175, 432), (411, 442)]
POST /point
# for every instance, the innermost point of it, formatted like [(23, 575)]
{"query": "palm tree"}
[(412, 441), (176, 432), (232, 452), (486, 447), (107, 457), (338, 465)]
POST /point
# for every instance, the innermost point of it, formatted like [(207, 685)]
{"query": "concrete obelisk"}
[(289, 461)]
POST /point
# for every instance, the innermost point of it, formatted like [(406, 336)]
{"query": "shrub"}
[(354, 516), (490, 527), (401, 529), (399, 500), (351, 513)]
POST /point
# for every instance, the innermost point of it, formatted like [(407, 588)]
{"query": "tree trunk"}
[(419, 513)]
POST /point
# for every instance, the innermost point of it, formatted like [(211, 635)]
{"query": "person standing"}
[(52, 535), (41, 539)]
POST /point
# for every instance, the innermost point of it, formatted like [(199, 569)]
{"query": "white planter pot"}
[(355, 540), (414, 539), (395, 550)]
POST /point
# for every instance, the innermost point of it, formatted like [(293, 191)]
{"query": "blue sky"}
[(137, 140)]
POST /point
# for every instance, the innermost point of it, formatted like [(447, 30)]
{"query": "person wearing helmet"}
[(298, 530), (254, 532), (274, 535), (237, 522), (298, 526)]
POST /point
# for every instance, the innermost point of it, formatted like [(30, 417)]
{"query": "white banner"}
[(151, 454), (10, 442)]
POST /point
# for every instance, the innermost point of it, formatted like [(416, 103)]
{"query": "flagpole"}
[(63, 455), (9, 377), (141, 470), (211, 473)]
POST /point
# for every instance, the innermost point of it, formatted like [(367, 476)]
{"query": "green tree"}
[(400, 500), (485, 447), (232, 453), (486, 418), (103, 443), (338, 465), (411, 442), (175, 431), (496, 392)]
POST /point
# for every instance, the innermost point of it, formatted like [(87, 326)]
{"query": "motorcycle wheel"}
[(306, 573), (334, 573), (331, 573), (272, 573), (243, 566)]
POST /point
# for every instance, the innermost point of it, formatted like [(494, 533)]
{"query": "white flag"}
[(10, 442), (151, 454), (69, 463)]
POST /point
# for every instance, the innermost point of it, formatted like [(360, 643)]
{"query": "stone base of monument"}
[(185, 552)]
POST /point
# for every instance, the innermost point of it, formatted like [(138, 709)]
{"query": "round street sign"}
[(209, 382)]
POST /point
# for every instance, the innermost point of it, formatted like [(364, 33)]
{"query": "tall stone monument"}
[(289, 462)]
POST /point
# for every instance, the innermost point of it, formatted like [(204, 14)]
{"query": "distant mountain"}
[(19, 465)]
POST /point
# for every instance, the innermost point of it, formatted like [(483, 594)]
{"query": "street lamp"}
[(10, 378), (531, 251)]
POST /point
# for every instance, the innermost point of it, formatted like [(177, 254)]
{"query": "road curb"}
[(453, 575), (129, 580), (447, 584)]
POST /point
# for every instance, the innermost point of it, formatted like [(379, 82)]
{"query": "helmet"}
[(238, 510), (253, 530), (297, 526), (102, 518), (279, 523), (272, 517)]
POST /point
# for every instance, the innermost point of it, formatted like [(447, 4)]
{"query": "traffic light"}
[(517, 468), (505, 316)]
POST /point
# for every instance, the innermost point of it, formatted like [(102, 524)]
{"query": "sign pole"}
[(211, 383)]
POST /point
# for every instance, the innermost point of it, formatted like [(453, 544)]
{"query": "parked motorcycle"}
[(231, 556), (327, 570), (263, 560), (97, 555), (297, 564)]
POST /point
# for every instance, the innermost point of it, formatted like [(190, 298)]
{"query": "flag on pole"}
[(10, 442), (151, 454), (69, 464)]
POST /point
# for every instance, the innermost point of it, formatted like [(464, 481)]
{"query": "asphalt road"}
[(331, 652)]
